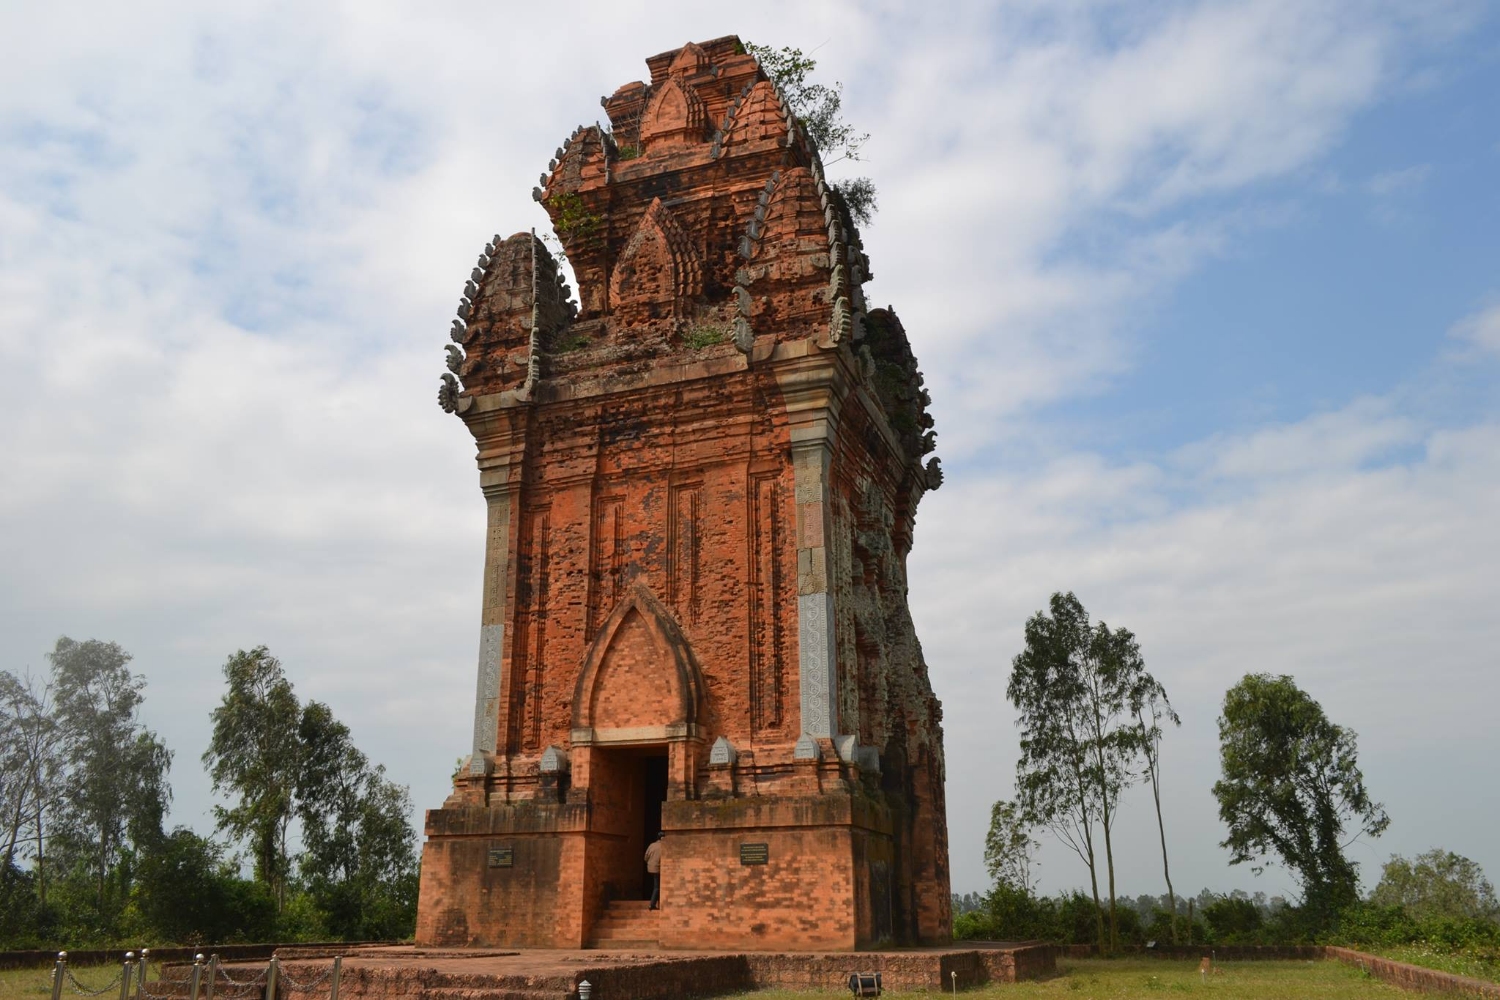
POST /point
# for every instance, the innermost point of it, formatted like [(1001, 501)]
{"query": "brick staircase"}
[(627, 923)]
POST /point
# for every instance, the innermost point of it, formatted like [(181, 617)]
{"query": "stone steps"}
[(627, 923)]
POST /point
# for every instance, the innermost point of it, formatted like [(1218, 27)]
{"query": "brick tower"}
[(701, 481)]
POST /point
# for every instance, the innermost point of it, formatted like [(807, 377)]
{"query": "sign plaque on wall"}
[(755, 854), (502, 857)]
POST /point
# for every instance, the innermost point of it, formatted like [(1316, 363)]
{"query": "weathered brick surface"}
[(702, 479)]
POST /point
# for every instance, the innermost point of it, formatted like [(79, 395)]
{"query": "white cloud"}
[(1481, 329)]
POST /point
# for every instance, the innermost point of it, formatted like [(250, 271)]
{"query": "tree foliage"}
[(359, 860), (282, 760), (186, 890), (116, 791), (81, 776), (1437, 885), (1075, 685), (1151, 707), (30, 760), (1009, 848), (1291, 787), (819, 110), (254, 755)]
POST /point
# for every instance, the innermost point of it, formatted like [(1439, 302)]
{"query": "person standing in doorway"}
[(653, 868)]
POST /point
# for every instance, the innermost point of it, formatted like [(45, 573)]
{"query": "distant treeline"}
[(84, 791)]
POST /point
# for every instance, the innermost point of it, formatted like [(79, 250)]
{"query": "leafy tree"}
[(255, 755), (1009, 847), (116, 791), (1291, 785), (285, 761), (819, 110), (1072, 685), (30, 760), (360, 860), (1150, 706), (1437, 885)]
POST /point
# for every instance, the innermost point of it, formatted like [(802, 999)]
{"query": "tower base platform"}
[(389, 973)]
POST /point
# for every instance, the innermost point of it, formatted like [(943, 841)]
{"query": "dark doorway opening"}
[(654, 795)]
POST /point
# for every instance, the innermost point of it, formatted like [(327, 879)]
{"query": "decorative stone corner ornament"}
[(722, 753), (554, 761)]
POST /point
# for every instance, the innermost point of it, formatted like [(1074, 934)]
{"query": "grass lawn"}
[(1461, 964), (36, 984), (1083, 979)]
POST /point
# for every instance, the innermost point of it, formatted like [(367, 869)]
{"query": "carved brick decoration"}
[(702, 477)]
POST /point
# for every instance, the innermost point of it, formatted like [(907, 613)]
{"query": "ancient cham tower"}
[(701, 481)]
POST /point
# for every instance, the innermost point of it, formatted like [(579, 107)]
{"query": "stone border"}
[(1413, 977)]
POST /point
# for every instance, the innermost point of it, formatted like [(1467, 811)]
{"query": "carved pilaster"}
[(501, 439), (814, 388)]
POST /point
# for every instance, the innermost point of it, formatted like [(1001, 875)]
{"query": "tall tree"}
[(255, 755), (359, 859), (330, 790), (116, 790), (1055, 787), (819, 109), (1148, 701), (1291, 786), (1072, 686), (30, 760)]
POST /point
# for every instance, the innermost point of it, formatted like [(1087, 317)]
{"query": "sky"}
[(1207, 295)]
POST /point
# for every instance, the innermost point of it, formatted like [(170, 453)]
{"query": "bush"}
[(1233, 920)]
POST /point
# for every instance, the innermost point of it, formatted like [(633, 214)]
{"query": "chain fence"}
[(203, 981)]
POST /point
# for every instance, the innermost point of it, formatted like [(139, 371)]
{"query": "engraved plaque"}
[(502, 857), (755, 854)]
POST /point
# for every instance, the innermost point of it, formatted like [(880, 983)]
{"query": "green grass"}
[(1474, 964), (1088, 979), (36, 984)]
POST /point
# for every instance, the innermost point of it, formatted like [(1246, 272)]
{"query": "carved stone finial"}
[(448, 393), (744, 336), (455, 357), (934, 473)]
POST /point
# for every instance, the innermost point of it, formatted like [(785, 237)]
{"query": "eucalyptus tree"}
[(1151, 708), (1009, 848), (255, 756), (30, 760), (1073, 685), (115, 790)]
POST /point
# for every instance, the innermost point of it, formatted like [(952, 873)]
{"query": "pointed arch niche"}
[(640, 681)]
